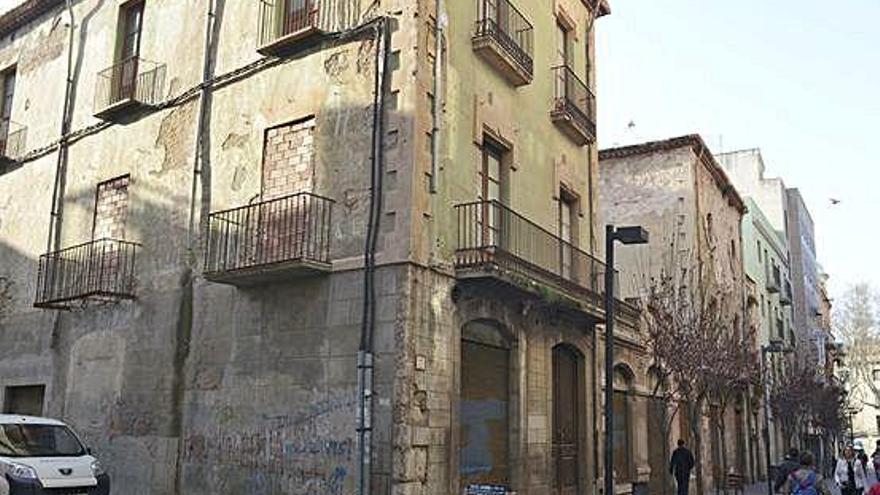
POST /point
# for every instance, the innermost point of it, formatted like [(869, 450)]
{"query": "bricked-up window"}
[(25, 400), (289, 159), (111, 209)]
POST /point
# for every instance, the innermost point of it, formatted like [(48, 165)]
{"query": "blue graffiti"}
[(478, 416)]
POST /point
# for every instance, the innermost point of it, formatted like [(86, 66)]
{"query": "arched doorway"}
[(484, 406), (568, 413), (621, 434)]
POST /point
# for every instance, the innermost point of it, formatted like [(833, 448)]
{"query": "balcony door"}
[(491, 193), (295, 15), (8, 80), (567, 233), (125, 74)]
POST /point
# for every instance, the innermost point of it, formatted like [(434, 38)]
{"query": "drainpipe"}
[(54, 239), (200, 155), (368, 323), (440, 21)]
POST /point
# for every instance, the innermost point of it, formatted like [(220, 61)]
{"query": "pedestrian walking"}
[(805, 480), (680, 467), (875, 457), (850, 474), (790, 464)]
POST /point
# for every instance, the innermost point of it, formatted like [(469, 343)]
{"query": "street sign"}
[(486, 490)]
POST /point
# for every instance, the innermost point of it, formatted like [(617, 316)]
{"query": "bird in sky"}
[(834, 202)]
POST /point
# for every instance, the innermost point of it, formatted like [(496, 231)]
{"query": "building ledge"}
[(270, 273), (516, 72), (285, 44)]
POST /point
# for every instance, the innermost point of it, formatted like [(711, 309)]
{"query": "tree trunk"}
[(722, 431), (696, 430)]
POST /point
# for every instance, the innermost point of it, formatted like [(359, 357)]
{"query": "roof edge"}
[(694, 142), (25, 13)]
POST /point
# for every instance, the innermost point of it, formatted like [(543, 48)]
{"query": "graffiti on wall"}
[(309, 451)]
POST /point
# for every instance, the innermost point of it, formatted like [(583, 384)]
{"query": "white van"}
[(40, 456)]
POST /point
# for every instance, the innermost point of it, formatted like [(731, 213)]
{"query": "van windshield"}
[(30, 440)]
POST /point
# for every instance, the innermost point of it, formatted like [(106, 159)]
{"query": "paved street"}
[(761, 489)]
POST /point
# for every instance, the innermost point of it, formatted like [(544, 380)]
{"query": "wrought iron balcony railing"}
[(100, 270), (255, 242), (574, 106), (507, 35), (283, 21), (492, 236), (785, 294), (132, 81), (13, 140)]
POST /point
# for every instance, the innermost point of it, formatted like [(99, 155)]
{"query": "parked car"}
[(41, 456)]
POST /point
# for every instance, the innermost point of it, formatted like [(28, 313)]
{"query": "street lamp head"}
[(631, 235)]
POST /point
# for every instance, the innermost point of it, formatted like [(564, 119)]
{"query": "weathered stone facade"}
[(677, 191), (229, 364)]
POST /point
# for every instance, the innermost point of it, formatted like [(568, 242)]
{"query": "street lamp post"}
[(775, 346), (625, 235)]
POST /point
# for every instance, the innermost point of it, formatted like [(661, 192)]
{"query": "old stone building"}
[(339, 246), (676, 189), (766, 258)]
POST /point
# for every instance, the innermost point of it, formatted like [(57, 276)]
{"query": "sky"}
[(798, 79)]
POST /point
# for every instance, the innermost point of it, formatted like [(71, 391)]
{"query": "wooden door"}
[(566, 414)]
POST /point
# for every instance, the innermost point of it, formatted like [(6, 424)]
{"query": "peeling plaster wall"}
[(194, 374)]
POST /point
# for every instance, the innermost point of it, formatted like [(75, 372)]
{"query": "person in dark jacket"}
[(680, 466), (790, 464)]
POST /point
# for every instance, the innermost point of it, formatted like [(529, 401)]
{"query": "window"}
[(111, 209), (563, 41), (33, 440), (875, 375), (132, 17), (26, 400), (491, 191), (567, 230), (878, 425), (621, 436), (760, 258), (125, 70), (8, 80)]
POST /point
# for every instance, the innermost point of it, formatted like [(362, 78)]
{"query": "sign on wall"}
[(486, 490)]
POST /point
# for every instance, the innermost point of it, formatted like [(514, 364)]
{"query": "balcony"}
[(503, 38), (785, 294), (100, 270), (276, 239), (774, 280), (497, 244), (574, 106), (13, 142), (129, 84), (286, 22)]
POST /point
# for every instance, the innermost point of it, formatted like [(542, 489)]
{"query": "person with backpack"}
[(790, 464), (805, 480), (850, 474)]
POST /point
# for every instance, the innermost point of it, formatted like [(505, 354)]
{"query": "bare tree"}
[(856, 324), (693, 330), (801, 398)]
